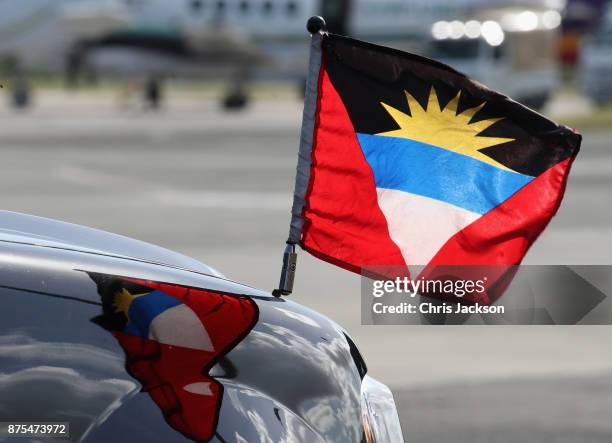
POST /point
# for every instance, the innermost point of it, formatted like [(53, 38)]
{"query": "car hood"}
[(40, 231), (255, 367)]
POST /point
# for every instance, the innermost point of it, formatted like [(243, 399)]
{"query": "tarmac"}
[(217, 186)]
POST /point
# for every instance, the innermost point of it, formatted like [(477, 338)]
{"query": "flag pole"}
[(316, 26)]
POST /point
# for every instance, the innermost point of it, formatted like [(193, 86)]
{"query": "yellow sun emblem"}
[(445, 128), (122, 301)]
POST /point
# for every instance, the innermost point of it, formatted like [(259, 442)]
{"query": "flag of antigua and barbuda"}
[(405, 161)]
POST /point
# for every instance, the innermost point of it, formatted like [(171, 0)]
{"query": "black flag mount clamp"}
[(285, 286)]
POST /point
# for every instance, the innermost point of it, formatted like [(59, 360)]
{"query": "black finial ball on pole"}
[(316, 24)]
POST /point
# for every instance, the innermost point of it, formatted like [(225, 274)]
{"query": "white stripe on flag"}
[(419, 225)]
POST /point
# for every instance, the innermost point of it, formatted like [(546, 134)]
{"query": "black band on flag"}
[(365, 75)]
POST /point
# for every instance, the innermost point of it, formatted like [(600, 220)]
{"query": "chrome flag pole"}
[(316, 27)]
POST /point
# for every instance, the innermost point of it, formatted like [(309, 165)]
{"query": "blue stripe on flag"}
[(145, 308), (422, 169)]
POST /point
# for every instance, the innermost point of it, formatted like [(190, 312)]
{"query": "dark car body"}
[(292, 376)]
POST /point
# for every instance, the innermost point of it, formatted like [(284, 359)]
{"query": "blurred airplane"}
[(230, 39), (41, 34), (150, 39)]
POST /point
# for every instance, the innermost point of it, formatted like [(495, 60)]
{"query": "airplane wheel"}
[(21, 95), (235, 101), (153, 93)]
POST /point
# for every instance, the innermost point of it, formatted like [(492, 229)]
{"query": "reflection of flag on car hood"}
[(172, 336), (404, 161)]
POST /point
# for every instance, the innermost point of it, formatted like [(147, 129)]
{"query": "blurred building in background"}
[(238, 41)]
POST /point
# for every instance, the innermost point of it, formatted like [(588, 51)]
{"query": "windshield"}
[(454, 49), (603, 37)]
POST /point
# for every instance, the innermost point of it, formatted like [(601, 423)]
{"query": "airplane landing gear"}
[(21, 94), (235, 100), (19, 87), (153, 93), (237, 97)]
